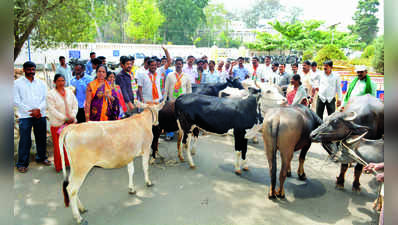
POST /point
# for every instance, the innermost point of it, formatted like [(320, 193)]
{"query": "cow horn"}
[(353, 140), (350, 116)]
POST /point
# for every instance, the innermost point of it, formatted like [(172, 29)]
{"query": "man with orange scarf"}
[(177, 83), (257, 71), (149, 82)]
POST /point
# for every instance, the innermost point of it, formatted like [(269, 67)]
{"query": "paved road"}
[(210, 194)]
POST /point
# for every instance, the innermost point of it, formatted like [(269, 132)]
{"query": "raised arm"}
[(168, 63)]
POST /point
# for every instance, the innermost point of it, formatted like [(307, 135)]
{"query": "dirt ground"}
[(210, 194)]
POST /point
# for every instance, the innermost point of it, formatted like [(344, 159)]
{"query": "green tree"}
[(368, 52), (226, 41), (182, 19), (265, 42), (49, 22), (216, 22), (144, 19), (261, 9), (378, 58), (329, 52), (365, 20)]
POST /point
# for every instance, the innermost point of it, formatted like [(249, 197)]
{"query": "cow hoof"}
[(193, 152), (192, 167), (83, 222), (83, 211), (302, 177), (289, 174), (280, 196), (339, 186), (149, 184), (246, 169), (132, 192), (238, 172), (182, 159), (271, 197), (356, 189)]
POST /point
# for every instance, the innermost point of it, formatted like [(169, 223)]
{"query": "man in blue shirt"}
[(239, 71), (89, 65), (80, 82)]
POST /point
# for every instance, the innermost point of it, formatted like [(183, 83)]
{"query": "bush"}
[(361, 61), (308, 55), (378, 58), (368, 52), (329, 52)]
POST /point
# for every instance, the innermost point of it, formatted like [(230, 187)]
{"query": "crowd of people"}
[(99, 94)]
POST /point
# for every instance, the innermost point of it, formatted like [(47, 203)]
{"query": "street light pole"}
[(29, 48)]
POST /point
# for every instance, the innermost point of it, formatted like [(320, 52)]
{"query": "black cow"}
[(361, 114), (168, 123), (218, 115), (214, 89)]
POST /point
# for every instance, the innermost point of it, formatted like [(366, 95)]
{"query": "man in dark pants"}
[(329, 87), (30, 99), (123, 79), (80, 82)]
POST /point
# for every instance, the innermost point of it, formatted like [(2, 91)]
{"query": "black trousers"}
[(81, 118), (320, 107), (25, 141)]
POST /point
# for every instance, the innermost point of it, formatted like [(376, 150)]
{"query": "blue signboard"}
[(74, 54), (116, 52)]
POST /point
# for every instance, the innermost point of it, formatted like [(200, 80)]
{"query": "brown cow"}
[(94, 144), (287, 129)]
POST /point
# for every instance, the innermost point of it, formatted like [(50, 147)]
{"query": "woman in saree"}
[(102, 103), (111, 77)]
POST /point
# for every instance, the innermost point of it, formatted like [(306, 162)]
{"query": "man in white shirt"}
[(149, 82), (256, 71), (64, 70), (329, 86), (30, 99), (177, 83), (273, 75), (190, 70)]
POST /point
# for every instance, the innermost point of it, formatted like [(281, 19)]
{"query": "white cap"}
[(360, 68)]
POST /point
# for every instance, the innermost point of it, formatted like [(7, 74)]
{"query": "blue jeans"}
[(25, 141)]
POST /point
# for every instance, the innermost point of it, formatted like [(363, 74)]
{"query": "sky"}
[(331, 11)]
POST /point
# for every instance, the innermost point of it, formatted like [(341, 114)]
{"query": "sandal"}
[(22, 169)]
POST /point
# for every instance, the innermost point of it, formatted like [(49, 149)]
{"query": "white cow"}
[(96, 144)]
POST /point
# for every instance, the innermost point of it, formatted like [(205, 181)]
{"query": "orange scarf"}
[(155, 94), (94, 85), (254, 72), (177, 85)]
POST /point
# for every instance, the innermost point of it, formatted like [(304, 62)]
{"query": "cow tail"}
[(274, 134), (66, 181)]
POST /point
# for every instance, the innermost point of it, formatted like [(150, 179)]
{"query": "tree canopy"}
[(42, 21), (365, 20), (182, 18), (144, 19)]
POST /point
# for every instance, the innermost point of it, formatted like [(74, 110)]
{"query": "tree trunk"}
[(19, 41)]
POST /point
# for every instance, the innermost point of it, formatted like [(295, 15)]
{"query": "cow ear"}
[(356, 138), (350, 116)]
